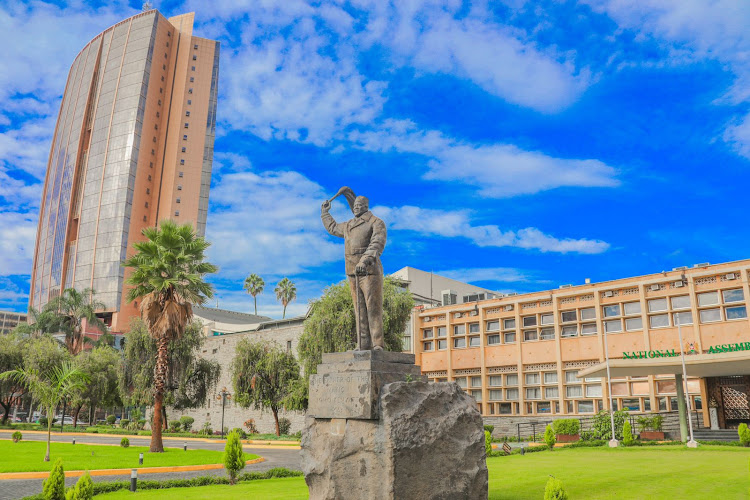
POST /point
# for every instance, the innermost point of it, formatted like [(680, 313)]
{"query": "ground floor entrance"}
[(728, 401)]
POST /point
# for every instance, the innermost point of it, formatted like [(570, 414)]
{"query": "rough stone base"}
[(428, 443)]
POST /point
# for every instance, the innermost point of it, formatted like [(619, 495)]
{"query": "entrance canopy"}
[(697, 365)]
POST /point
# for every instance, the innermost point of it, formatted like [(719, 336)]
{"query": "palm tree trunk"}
[(164, 418), (284, 314), (255, 299), (276, 419), (160, 380), (49, 431)]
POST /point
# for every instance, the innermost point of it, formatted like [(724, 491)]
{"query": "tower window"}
[(182, 161), (184, 149), (178, 200), (195, 46), (182, 174), (190, 102), (179, 186), (187, 125), (190, 90), (177, 213), (192, 68), (192, 78), (184, 137)]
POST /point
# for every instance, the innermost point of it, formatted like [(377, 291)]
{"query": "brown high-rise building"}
[(133, 146)]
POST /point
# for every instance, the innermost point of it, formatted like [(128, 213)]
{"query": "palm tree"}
[(39, 322), (285, 292), (168, 277), (254, 285), (49, 387), (72, 308)]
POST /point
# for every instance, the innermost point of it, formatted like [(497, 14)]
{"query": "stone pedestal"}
[(376, 430)]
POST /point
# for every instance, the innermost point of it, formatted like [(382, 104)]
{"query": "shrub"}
[(187, 423), (554, 490), (489, 428), (234, 457), (206, 430), (124, 442), (242, 434), (43, 421), (83, 490), (124, 422), (285, 426), (602, 425), (487, 443), (111, 419), (297, 435), (549, 437), (250, 425), (652, 423), (175, 425), (627, 433), (141, 424), (54, 485), (566, 426), (17, 436), (744, 434)]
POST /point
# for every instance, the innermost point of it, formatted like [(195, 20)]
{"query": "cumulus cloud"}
[(505, 275), (458, 224), (17, 235), (497, 170)]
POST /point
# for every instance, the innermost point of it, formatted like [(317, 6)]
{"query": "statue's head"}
[(361, 205)]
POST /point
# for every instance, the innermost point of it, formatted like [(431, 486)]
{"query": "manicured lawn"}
[(29, 456), (587, 473), (288, 488)]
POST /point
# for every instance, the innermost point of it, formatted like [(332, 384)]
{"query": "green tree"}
[(39, 322), (54, 485), (11, 358), (330, 327), (554, 490), (254, 285), (190, 378), (167, 278), (549, 437), (285, 293), (43, 354), (627, 433), (73, 308), (83, 490), (49, 387), (263, 375), (234, 457), (101, 366)]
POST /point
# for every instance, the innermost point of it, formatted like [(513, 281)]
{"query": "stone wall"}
[(222, 349)]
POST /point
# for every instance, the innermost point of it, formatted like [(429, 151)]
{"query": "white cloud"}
[(490, 274), (453, 224), (497, 170), (17, 235)]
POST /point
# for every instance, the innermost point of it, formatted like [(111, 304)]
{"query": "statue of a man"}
[(364, 241)]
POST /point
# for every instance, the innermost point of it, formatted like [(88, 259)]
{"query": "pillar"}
[(682, 408)]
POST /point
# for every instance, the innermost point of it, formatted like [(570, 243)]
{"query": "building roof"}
[(228, 317)]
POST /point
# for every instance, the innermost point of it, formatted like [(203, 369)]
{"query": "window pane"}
[(460, 342), (496, 380), (529, 321), (657, 305), (543, 408), (588, 329), (610, 311), (511, 380), (733, 295), (682, 318), (710, 315), (633, 324), (681, 302), (666, 386), (509, 324), (572, 376), (427, 333), (614, 325), (477, 395), (569, 331), (568, 316), (493, 339), (639, 387), (474, 342), (586, 407), (459, 329), (493, 326), (551, 392), (530, 335), (588, 313), (532, 379), (442, 344), (547, 319), (505, 408), (736, 312), (632, 308), (510, 337), (496, 395), (476, 381), (631, 404), (658, 320), (474, 328), (708, 298), (619, 389), (550, 377), (547, 333), (461, 381), (593, 391), (533, 393), (575, 391), (441, 331), (511, 394), (426, 346)]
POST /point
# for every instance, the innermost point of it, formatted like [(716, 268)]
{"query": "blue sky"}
[(516, 145)]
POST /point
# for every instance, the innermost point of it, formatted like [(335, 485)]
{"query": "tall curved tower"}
[(133, 146)]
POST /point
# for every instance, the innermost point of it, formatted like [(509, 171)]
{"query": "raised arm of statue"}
[(329, 222)]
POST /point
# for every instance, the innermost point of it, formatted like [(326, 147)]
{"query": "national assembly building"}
[(133, 146), (539, 356)]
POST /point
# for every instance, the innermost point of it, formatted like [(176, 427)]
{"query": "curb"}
[(171, 438), (121, 472)]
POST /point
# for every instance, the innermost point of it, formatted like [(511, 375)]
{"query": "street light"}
[(692, 443), (223, 396), (613, 443)]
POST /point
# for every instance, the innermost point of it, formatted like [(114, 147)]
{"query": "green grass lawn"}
[(28, 456), (587, 473)]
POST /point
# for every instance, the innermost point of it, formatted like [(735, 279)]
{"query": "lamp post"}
[(692, 443), (613, 443), (223, 396)]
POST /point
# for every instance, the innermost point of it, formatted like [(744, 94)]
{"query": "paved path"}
[(274, 457)]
